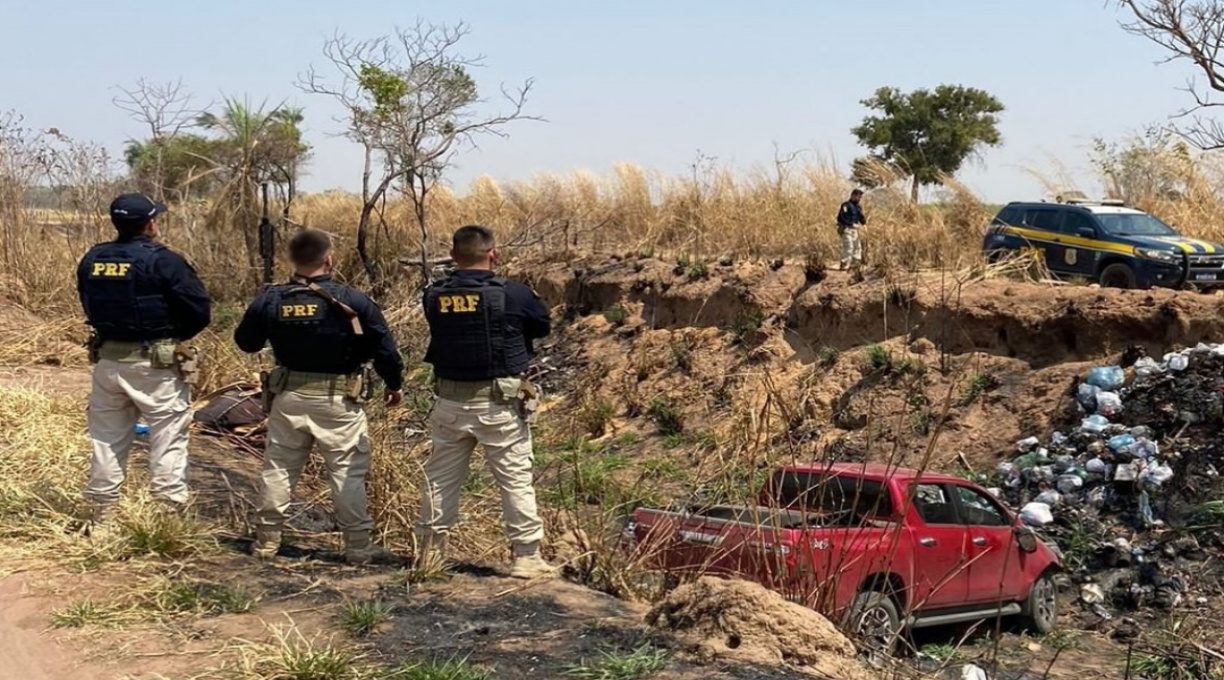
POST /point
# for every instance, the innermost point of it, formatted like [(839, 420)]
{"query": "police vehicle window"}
[(934, 505), (1134, 224), (978, 510), (1074, 222), (828, 493), (1043, 219), (1012, 216)]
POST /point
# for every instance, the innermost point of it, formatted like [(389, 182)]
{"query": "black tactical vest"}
[(309, 333), (468, 331), (122, 299)]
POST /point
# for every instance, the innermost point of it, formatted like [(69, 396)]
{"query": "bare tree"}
[(166, 110), (1191, 30), (412, 104)]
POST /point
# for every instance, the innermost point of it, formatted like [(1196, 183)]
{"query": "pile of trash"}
[(1132, 494)]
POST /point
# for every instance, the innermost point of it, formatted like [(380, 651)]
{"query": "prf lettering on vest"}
[(299, 311), (459, 304), (110, 270)]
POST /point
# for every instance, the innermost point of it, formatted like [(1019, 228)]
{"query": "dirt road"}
[(26, 652)]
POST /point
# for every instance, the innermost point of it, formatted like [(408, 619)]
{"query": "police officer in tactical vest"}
[(144, 302), (481, 332), (322, 334)]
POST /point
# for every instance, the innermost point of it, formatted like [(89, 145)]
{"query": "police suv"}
[(1106, 242)]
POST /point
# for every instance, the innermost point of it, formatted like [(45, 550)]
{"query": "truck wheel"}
[(1118, 275), (873, 622), (1039, 613)]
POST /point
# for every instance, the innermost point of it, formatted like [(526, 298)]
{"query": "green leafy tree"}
[(413, 105), (928, 134), (175, 167)]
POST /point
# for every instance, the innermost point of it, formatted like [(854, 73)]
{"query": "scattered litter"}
[(1145, 457), (1107, 377)]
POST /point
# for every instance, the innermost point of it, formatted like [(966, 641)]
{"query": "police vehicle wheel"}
[(1117, 275)]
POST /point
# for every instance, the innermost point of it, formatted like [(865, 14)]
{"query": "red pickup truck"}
[(878, 548)]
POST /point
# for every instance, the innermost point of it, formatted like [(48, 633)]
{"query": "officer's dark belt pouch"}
[(161, 355)]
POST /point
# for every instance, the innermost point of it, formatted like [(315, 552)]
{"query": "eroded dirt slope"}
[(867, 370)]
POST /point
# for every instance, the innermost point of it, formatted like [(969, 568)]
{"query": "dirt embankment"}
[(861, 370), (1038, 324)]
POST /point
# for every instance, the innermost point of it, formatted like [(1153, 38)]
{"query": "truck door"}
[(941, 579), (995, 559)]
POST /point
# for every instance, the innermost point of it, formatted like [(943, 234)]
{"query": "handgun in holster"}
[(94, 346), (265, 391)]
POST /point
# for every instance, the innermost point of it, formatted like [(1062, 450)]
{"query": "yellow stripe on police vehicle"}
[(1089, 243), (1187, 244)]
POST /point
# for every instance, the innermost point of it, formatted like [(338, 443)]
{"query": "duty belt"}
[(459, 390), (316, 384), (129, 351)]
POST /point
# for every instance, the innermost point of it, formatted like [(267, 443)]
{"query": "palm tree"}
[(253, 146)]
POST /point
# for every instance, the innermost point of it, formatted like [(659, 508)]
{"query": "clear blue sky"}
[(649, 82)]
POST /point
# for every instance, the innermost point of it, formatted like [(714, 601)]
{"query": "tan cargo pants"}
[(122, 392), (456, 427), (338, 427), (851, 247)]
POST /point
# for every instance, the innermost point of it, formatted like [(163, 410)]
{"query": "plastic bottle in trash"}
[(141, 429), (1177, 362)]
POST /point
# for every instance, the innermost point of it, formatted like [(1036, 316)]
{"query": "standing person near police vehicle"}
[(144, 302), (849, 219), (482, 328), (322, 334)]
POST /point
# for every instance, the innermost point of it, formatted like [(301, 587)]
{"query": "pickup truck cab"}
[(878, 548), (1106, 242)]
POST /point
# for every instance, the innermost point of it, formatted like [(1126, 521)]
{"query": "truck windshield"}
[(817, 492), (1134, 224)]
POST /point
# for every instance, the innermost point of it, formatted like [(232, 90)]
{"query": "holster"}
[(187, 362), (265, 391), (359, 386), (94, 346), (271, 383), (528, 401)]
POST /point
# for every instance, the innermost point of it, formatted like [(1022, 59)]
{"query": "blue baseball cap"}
[(135, 209)]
